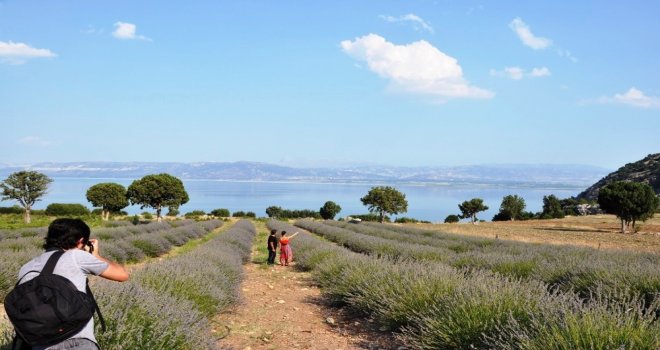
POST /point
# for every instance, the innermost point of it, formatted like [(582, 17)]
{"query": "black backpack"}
[(49, 309)]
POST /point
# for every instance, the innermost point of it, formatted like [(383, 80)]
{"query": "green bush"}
[(66, 209), (221, 212), (194, 214), (452, 219), (15, 209), (370, 217), (147, 215)]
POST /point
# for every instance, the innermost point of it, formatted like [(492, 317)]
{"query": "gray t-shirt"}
[(75, 265)]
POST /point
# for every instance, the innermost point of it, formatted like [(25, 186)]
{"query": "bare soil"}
[(596, 231), (283, 308)]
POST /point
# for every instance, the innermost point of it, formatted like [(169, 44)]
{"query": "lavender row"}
[(435, 306), (172, 301), (567, 268), (122, 244)]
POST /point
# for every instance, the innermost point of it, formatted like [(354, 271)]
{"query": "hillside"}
[(645, 171), (508, 174)]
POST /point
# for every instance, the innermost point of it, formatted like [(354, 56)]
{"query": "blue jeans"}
[(74, 344)]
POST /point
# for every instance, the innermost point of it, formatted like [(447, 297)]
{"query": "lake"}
[(425, 202)]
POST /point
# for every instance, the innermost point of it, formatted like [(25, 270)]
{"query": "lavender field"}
[(451, 292), (168, 303), (432, 290)]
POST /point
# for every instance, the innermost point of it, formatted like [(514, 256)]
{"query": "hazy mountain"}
[(645, 171), (569, 175)]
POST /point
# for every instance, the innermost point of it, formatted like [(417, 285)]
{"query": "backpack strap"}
[(52, 261), (96, 307)]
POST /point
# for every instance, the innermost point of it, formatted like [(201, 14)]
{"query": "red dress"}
[(286, 255)]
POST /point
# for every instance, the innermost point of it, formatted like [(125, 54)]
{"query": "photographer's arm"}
[(114, 272)]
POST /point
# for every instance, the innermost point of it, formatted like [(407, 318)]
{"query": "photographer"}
[(81, 258)]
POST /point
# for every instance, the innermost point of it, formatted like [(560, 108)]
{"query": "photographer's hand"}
[(95, 245)]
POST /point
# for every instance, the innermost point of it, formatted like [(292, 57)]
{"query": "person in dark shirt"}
[(272, 246)]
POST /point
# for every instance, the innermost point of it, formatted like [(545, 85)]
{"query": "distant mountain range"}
[(645, 171), (509, 174)]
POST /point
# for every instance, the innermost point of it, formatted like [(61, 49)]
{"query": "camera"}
[(90, 246)]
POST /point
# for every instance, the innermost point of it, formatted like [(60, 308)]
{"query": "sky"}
[(330, 83)]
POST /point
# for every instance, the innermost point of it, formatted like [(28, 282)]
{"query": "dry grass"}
[(597, 231)]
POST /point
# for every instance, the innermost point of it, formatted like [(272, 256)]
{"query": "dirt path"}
[(283, 309)]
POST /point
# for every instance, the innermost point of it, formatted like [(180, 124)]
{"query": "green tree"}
[(110, 197), (157, 192), (452, 218), (221, 213), (512, 208), (552, 208), (26, 187), (469, 209), (274, 211), (629, 201), (385, 199), (329, 210)]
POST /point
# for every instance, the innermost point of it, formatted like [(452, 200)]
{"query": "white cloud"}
[(527, 37), (517, 73), (34, 141), (417, 68), (540, 72), (18, 53), (632, 97), (418, 23), (127, 31)]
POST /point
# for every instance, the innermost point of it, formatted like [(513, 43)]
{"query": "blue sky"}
[(315, 83)]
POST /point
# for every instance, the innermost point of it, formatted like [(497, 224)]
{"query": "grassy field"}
[(592, 231)]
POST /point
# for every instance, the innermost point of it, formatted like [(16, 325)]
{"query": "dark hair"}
[(283, 233), (65, 234), (272, 232)]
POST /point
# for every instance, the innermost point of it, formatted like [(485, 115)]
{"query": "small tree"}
[(385, 199), (329, 210), (452, 218), (469, 209), (26, 187), (157, 192), (552, 208), (512, 208), (629, 201), (274, 211), (110, 197), (220, 212)]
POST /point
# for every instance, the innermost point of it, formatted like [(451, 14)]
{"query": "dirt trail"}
[(282, 308)]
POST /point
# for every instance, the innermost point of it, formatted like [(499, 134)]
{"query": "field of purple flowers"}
[(585, 271), (123, 242), (432, 304), (168, 303)]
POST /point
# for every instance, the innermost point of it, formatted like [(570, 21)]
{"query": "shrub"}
[(11, 210), (66, 209), (452, 219), (220, 212), (370, 217), (147, 215), (405, 220), (238, 214), (194, 214)]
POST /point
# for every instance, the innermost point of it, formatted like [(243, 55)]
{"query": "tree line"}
[(629, 201)]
